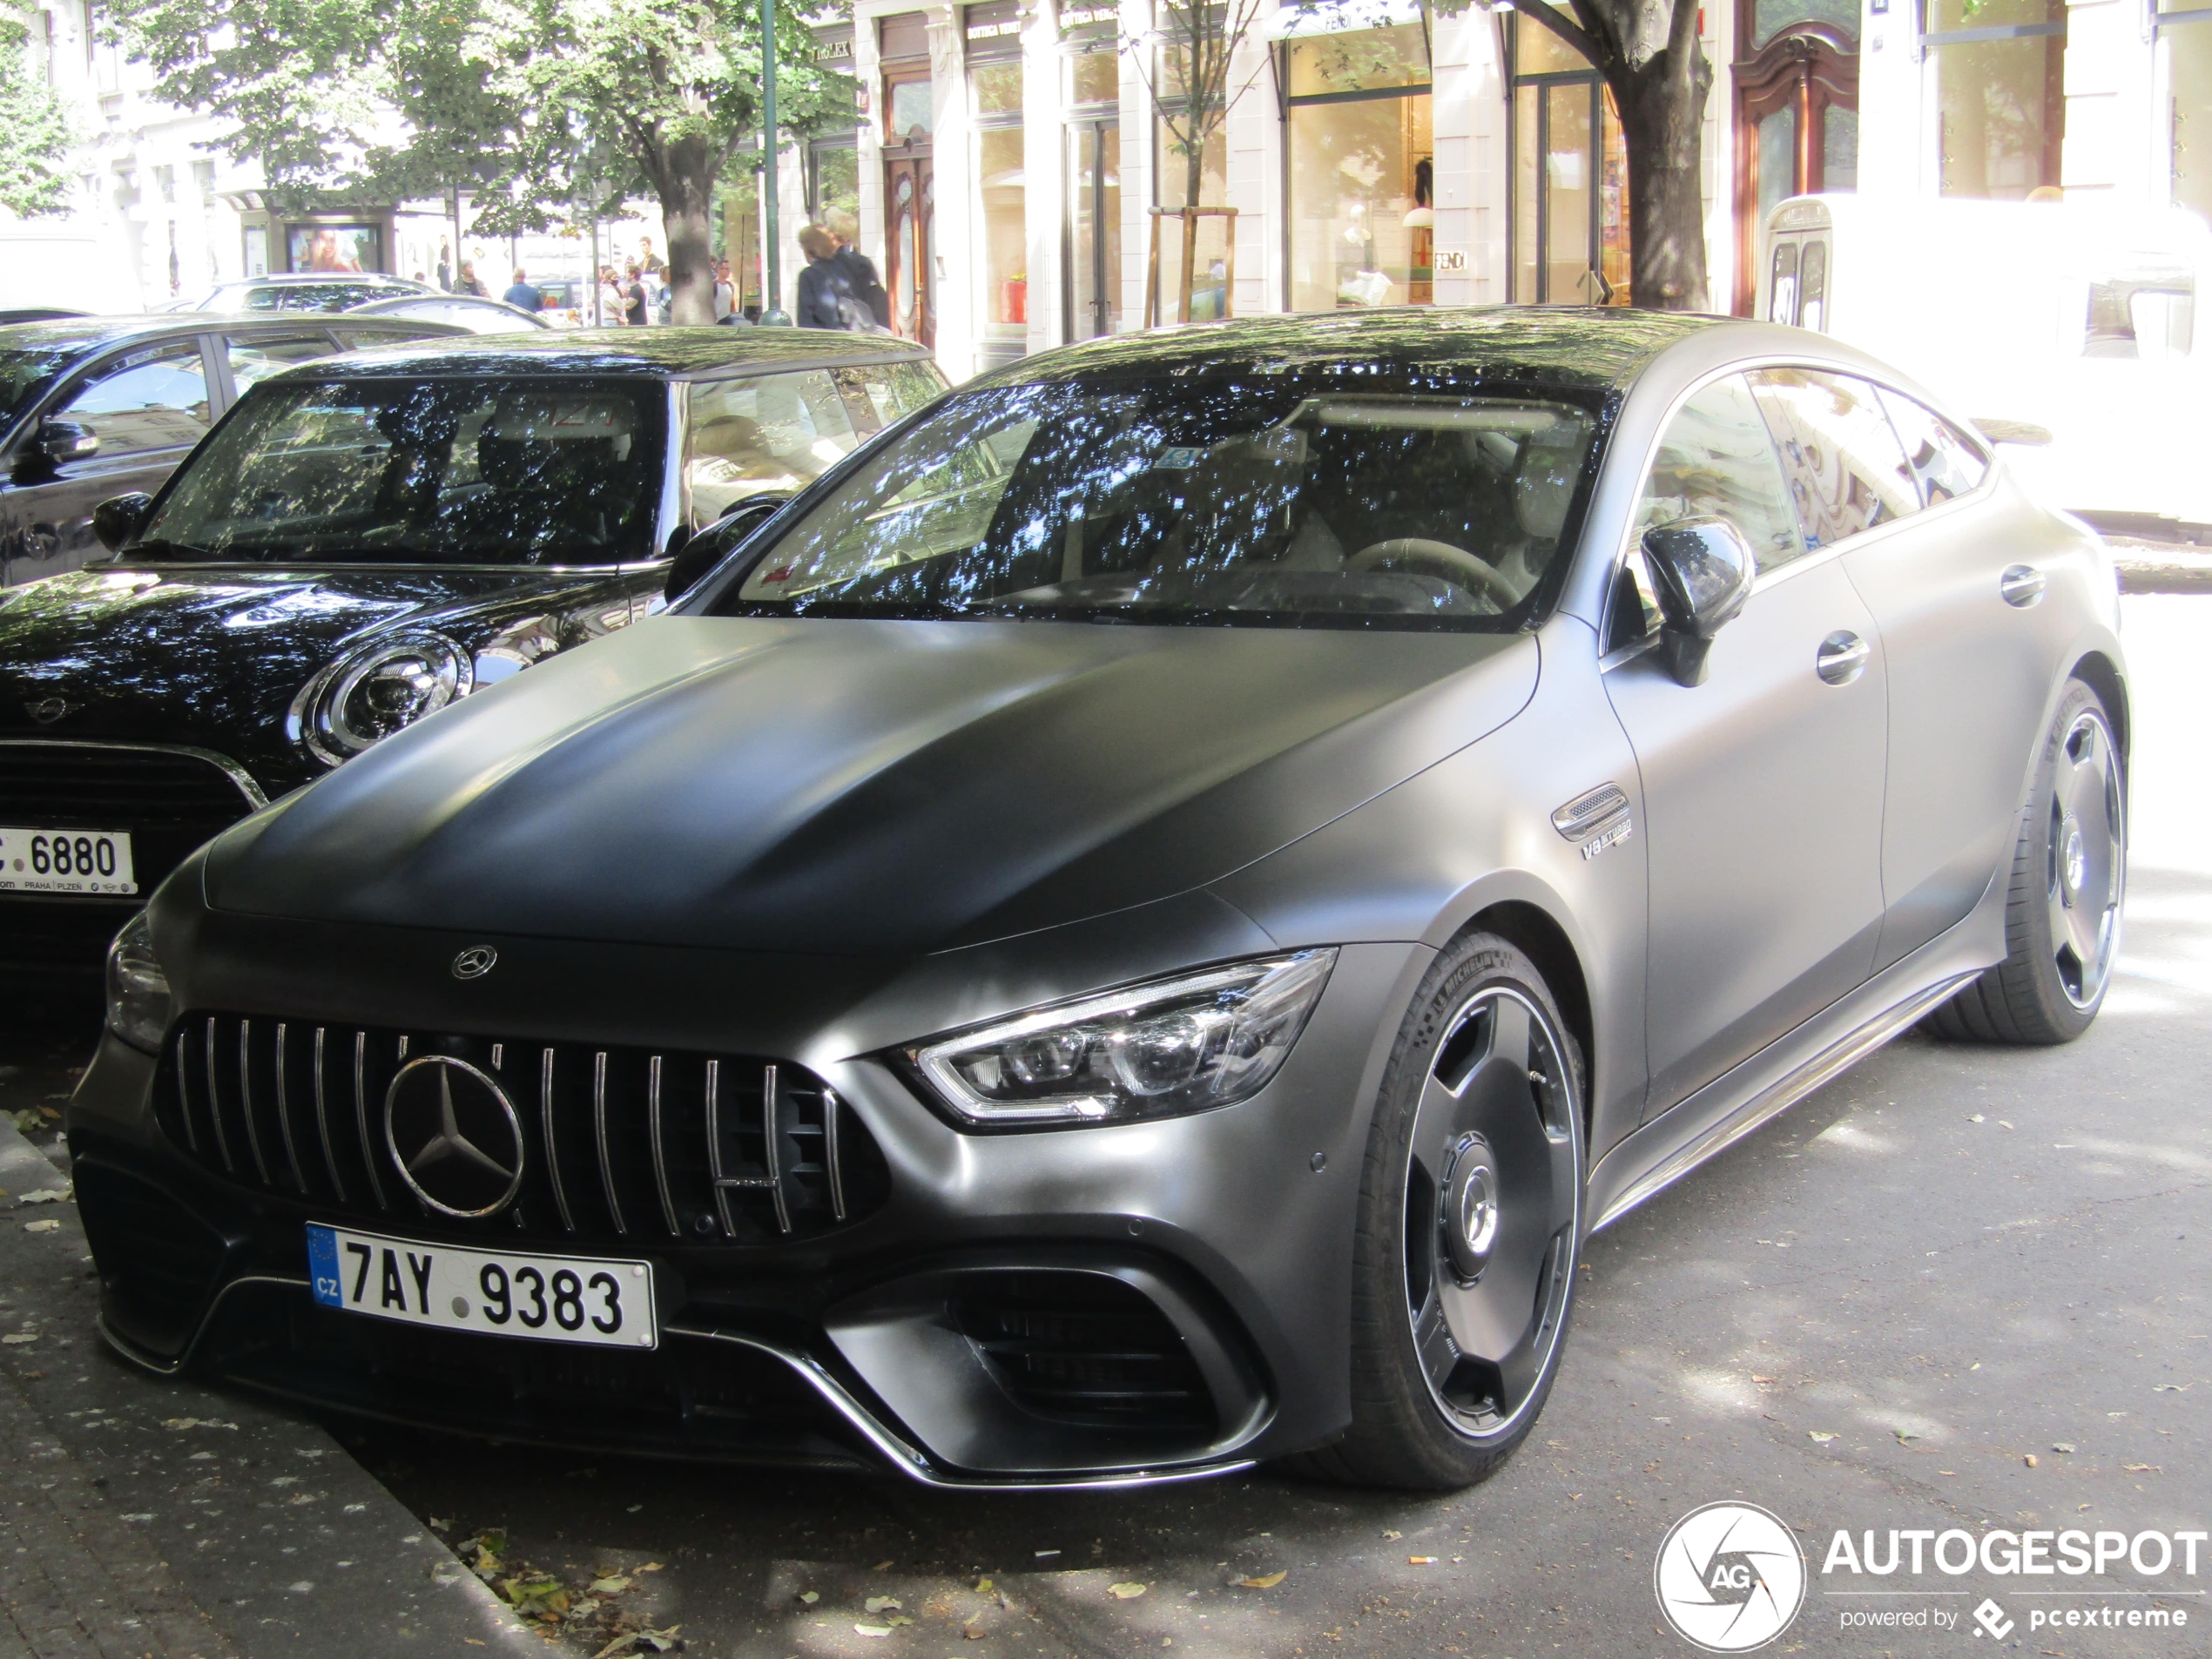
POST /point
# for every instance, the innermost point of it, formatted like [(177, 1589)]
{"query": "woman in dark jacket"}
[(823, 289)]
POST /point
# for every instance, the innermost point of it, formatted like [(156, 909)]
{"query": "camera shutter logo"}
[(1730, 1577)]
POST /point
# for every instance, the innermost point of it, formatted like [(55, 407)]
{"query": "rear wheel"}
[(2069, 875), (1470, 1228)]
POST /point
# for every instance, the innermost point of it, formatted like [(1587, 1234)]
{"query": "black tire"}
[(1469, 1211), (2068, 877)]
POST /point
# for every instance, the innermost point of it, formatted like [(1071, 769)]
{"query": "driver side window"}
[(1716, 460)]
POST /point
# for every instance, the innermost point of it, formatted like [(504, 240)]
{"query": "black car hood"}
[(212, 657), (865, 787)]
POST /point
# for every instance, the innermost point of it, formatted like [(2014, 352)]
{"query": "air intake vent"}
[(616, 1143), (1086, 1349)]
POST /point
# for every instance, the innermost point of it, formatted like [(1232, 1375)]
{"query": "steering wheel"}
[(1456, 563)]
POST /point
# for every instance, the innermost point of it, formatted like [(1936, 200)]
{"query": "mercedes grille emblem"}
[(454, 1136), (474, 962), (48, 709)]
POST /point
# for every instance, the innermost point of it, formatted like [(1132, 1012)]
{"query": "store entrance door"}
[(1093, 228), (909, 194), (1796, 116)]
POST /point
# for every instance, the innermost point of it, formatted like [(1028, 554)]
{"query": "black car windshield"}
[(489, 471), (1296, 499)]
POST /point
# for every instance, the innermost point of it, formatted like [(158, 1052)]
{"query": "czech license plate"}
[(551, 1298), (48, 860)]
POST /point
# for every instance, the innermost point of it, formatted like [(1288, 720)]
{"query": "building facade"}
[(1009, 158)]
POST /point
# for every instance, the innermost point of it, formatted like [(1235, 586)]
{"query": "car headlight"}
[(137, 991), (1157, 1050), (364, 698)]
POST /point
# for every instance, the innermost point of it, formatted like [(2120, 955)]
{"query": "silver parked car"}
[(1139, 922)]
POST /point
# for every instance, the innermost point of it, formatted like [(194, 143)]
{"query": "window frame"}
[(1811, 559), (214, 368)]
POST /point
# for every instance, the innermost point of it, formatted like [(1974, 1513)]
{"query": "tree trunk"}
[(685, 185), (1663, 115)]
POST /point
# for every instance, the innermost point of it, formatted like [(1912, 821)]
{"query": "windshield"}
[(1221, 499), (23, 374), (504, 471)]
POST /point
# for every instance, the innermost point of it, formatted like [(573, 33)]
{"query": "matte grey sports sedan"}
[(1139, 923)]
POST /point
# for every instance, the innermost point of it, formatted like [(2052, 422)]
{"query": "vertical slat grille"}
[(721, 1149)]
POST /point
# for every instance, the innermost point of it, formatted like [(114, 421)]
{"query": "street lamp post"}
[(771, 309)]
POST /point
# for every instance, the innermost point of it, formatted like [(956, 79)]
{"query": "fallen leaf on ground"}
[(1125, 1592), (810, 1596), (614, 1586), (872, 1630), (41, 1226), (194, 1422), (897, 1618), (1268, 1583), (880, 1567), (1818, 1436), (2142, 1468), (1392, 1536), (652, 1566), (20, 1337), (984, 1586), (2029, 1459), (47, 1195), (1904, 1437), (878, 1603), (2062, 1445)]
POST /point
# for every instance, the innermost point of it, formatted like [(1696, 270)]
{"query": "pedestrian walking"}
[(859, 270), (725, 293), (445, 267), (467, 281), (824, 293), (523, 296)]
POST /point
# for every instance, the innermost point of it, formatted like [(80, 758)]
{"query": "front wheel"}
[(2069, 875), (1470, 1228)]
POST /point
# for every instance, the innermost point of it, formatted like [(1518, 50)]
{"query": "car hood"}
[(865, 786), (212, 657)]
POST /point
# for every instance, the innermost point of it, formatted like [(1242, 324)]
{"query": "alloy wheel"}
[(2085, 863), (1493, 1197)]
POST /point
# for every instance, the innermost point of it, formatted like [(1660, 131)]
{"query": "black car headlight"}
[(137, 991), (363, 699), (1161, 1049)]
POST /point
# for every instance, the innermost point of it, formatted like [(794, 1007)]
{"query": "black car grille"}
[(169, 801), (1084, 1348), (158, 1261), (617, 1142), (87, 785)]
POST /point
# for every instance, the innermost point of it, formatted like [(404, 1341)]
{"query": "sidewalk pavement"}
[(159, 1520)]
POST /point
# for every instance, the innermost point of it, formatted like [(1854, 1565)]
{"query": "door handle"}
[(1842, 658), (2021, 584)]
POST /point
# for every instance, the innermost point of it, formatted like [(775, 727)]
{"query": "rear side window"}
[(253, 360), (1846, 469), (771, 432), (1947, 464), (151, 400)]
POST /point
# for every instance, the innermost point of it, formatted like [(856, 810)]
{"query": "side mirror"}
[(116, 520), (708, 549), (64, 440), (1702, 569)]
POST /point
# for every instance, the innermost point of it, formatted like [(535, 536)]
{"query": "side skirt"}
[(1667, 1148)]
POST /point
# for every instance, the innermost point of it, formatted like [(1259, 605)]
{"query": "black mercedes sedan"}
[(1140, 922), (360, 542), (95, 407)]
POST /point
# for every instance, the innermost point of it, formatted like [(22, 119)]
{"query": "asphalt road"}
[(1961, 1287)]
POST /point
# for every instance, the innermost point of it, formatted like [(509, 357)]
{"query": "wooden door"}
[(1796, 130), (909, 196)]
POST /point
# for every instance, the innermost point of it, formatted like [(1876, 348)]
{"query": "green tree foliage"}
[(544, 110), (35, 129)]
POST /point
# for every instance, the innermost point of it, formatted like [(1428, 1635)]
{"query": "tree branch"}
[(1584, 40)]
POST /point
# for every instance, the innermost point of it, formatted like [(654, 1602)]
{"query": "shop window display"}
[(2000, 93), (1362, 169)]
